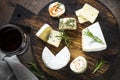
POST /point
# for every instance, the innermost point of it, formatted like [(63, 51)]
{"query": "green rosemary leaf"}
[(34, 69), (99, 65), (95, 38), (65, 37)]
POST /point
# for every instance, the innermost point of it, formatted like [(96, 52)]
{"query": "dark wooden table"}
[(7, 7)]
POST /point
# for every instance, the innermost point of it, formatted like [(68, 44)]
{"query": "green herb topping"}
[(95, 38)]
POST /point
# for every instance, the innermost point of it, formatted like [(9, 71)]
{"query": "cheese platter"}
[(84, 50)]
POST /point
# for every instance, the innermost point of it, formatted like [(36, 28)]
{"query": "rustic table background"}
[(7, 7)]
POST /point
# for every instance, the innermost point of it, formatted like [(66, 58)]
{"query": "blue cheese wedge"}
[(54, 38), (78, 65), (44, 32), (58, 61), (88, 44), (67, 24)]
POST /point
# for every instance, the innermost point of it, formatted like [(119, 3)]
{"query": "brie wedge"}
[(57, 61), (78, 65), (88, 44)]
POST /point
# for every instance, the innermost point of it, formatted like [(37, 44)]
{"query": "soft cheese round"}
[(57, 61), (56, 9), (78, 65)]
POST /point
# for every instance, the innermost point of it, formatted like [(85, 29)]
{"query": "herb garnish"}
[(34, 69), (99, 64), (95, 38), (65, 37)]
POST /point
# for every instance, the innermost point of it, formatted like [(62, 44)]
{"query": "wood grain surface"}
[(109, 27)]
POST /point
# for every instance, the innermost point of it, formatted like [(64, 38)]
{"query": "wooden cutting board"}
[(109, 27)]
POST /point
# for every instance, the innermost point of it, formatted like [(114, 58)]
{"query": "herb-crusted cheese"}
[(88, 44), (54, 38), (67, 24)]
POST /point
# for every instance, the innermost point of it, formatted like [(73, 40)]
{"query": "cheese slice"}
[(88, 44), (89, 13), (79, 64), (43, 32), (57, 61), (80, 18), (54, 38)]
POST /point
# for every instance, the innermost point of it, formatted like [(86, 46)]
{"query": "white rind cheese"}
[(58, 61), (54, 38), (79, 64), (88, 44)]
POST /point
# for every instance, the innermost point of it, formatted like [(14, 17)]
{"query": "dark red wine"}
[(10, 39)]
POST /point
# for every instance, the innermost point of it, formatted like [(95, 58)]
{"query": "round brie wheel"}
[(58, 61), (56, 9), (78, 65)]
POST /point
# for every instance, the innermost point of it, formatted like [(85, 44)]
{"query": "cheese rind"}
[(88, 44), (54, 38), (58, 61), (44, 32), (67, 24), (79, 64)]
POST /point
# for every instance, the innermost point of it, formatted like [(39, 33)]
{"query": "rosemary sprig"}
[(65, 37), (34, 69), (99, 65), (95, 38)]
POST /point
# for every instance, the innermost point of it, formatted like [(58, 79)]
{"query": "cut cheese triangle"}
[(57, 61), (43, 32), (88, 44)]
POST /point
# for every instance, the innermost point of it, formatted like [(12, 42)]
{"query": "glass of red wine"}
[(13, 40)]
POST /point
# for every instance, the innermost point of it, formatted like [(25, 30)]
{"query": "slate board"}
[(109, 27)]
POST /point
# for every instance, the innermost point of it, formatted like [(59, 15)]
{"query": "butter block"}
[(67, 24), (54, 38), (44, 32), (88, 44)]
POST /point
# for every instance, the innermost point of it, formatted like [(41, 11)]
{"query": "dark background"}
[(7, 7)]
